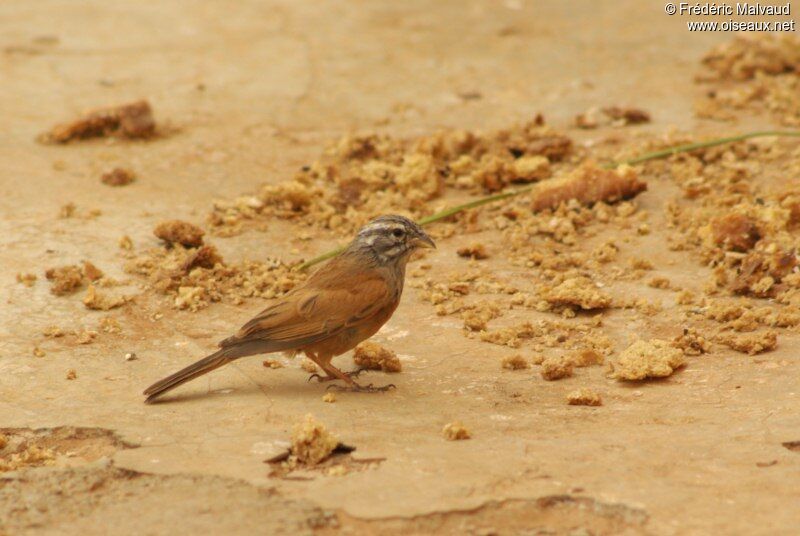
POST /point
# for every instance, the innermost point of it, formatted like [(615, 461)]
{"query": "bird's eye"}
[(397, 233)]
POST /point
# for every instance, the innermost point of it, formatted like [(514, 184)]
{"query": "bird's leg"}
[(335, 374), (331, 372), (329, 378)]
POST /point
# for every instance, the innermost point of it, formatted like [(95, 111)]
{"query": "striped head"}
[(391, 239)]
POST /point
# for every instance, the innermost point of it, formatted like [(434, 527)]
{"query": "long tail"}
[(205, 365)]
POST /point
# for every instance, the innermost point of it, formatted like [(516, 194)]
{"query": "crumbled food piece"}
[(272, 363), (761, 273), (53, 331), (515, 362), (614, 115), (584, 397), (126, 243), (330, 398), (577, 292), (372, 356), (110, 325), (659, 282), (65, 279), (753, 72), (641, 264), (101, 301), (130, 356), (85, 336), (311, 442), (308, 365), (474, 251), (71, 374), (368, 175), (735, 232), (648, 359), (626, 116), (91, 272), (204, 257), (165, 271), (179, 232), (588, 185), (685, 297), (556, 368), (118, 177), (134, 121), (746, 56), (38, 352), (586, 357), (691, 342), (751, 343), (31, 456), (67, 210), (337, 470), (26, 279), (455, 431)]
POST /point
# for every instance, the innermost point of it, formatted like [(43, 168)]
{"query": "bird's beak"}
[(424, 241)]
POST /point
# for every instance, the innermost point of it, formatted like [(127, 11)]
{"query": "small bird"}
[(343, 303)]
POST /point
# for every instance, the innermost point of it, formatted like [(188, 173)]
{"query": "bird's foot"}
[(329, 378), (356, 388)]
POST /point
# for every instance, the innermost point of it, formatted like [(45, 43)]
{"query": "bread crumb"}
[(53, 331), (588, 184), (26, 279), (308, 365), (751, 343), (648, 359), (311, 442), (203, 257), (372, 356), (101, 301), (85, 336), (330, 398), (31, 456), (125, 243), (38, 352), (685, 297), (474, 251), (118, 177), (65, 279), (67, 210), (109, 325), (336, 470), (179, 232), (91, 272), (134, 121), (584, 397), (272, 363), (586, 357), (577, 292), (556, 368), (71, 374), (515, 362), (659, 282), (735, 232), (455, 431), (691, 342)]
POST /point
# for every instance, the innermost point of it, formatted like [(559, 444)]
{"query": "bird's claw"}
[(352, 374)]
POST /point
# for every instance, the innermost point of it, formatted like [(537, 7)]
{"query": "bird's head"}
[(392, 238)]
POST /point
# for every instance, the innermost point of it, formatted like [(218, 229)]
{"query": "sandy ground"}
[(251, 93)]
